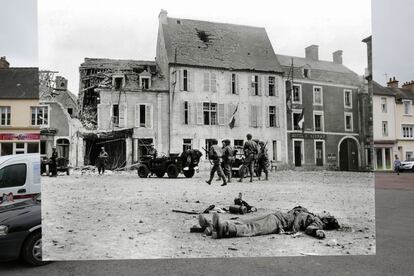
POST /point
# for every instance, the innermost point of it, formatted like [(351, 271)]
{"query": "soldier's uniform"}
[(263, 161), (53, 162), (102, 157), (152, 151), (250, 153), (228, 159), (215, 155)]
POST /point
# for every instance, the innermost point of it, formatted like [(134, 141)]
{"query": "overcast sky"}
[(70, 30), (18, 32), (393, 40)]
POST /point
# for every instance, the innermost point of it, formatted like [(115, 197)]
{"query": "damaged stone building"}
[(122, 108), (218, 72)]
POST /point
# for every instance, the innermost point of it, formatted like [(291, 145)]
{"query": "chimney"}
[(393, 83), (162, 17), (408, 86), (4, 63), (337, 56), (311, 52)]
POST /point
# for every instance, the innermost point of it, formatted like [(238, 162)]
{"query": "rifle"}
[(207, 155)]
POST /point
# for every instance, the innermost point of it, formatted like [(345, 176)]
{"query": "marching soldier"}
[(102, 157), (263, 161), (53, 162), (228, 159), (215, 154), (250, 152)]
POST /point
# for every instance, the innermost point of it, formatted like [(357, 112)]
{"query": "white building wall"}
[(380, 116), (196, 94)]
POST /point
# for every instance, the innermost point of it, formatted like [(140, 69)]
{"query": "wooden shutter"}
[(213, 79), (253, 116), (123, 115), (260, 84), (221, 115), (279, 150), (137, 115), (230, 110), (180, 79), (266, 84), (206, 82), (148, 116), (199, 113), (277, 117), (276, 87), (183, 112), (259, 115), (228, 82), (267, 114), (237, 84), (190, 113), (249, 84), (190, 80)]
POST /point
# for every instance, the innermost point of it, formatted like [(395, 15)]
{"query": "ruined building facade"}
[(122, 104)]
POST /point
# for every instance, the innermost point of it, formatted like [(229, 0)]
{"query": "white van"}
[(20, 175)]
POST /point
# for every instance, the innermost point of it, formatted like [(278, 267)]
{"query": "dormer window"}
[(145, 83), (145, 80), (118, 82), (306, 73)]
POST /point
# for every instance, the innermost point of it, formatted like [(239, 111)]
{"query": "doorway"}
[(298, 152), (319, 153), (348, 155)]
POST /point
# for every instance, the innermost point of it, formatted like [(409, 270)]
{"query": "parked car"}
[(20, 175), (21, 232), (407, 165)]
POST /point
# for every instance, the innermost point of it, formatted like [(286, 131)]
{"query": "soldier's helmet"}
[(330, 222), (261, 143), (249, 136)]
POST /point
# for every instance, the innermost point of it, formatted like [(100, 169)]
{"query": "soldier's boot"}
[(229, 179), (266, 176), (224, 180)]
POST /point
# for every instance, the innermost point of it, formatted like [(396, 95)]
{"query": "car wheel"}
[(32, 249), (172, 171), (143, 171), (189, 173)]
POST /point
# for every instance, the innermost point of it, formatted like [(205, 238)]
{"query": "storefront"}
[(19, 143), (384, 156)]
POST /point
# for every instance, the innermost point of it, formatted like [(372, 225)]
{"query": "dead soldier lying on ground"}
[(291, 222)]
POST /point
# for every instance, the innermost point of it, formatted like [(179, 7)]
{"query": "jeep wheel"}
[(32, 250), (172, 171), (189, 173), (143, 171)]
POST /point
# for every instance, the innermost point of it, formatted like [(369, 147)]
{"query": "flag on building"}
[(233, 117), (301, 122)]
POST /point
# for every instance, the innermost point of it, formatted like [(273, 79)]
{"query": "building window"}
[(186, 113), (187, 144), (43, 148), (142, 115), (409, 156), (118, 82), (272, 89), (115, 114), (384, 128), (407, 107), (185, 80), (210, 113), (296, 118), (145, 83), (40, 115), (255, 85), (238, 145), (272, 116), (6, 149), (348, 98), (233, 84), (384, 105), (306, 73), (297, 94), (317, 95), (5, 115), (318, 121), (408, 131), (348, 122)]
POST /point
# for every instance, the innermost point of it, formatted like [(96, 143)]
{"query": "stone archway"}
[(348, 153)]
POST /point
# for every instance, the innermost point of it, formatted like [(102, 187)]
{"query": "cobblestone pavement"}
[(120, 216)]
